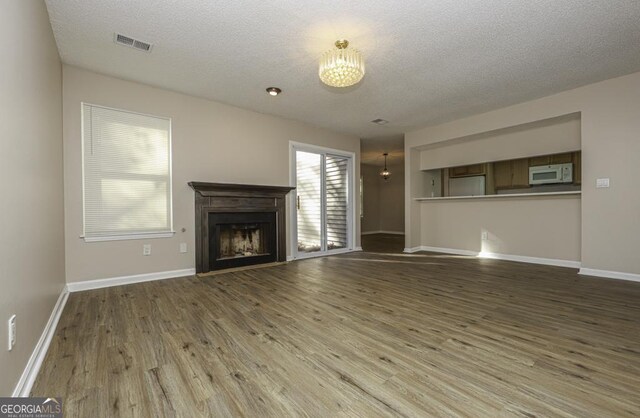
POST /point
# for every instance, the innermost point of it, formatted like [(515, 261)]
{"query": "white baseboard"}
[(448, 251), (533, 260), (610, 274), (383, 232), (357, 249), (497, 256), (137, 278), (23, 388)]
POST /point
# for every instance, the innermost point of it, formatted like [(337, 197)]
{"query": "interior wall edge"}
[(28, 377)]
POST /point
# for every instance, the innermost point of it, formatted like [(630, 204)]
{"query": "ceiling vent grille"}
[(121, 39)]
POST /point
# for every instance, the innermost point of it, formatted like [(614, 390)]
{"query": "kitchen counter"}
[(500, 196)]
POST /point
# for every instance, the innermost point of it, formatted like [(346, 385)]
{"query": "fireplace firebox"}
[(241, 239), (238, 225)]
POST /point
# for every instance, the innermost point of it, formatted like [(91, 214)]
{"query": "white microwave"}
[(549, 174)]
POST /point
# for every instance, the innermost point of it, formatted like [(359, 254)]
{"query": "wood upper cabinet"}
[(567, 157), (542, 160), (502, 174), (511, 174), (467, 170), (520, 169), (577, 167)]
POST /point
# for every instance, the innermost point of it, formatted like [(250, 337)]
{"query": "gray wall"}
[(31, 209), (371, 190), (383, 199)]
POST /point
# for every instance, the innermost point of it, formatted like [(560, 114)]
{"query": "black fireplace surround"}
[(238, 225)]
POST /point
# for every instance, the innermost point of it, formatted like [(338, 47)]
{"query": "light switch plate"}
[(146, 249), (12, 332), (602, 183), (183, 247)]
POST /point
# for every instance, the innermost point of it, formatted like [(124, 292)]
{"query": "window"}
[(126, 174)]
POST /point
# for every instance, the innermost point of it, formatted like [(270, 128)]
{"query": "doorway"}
[(323, 216)]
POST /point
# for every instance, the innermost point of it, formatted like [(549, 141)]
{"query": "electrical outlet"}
[(602, 183), (183, 247), (484, 236), (146, 249), (12, 332)]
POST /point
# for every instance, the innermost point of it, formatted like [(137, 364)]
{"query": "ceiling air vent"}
[(132, 43), (380, 121)]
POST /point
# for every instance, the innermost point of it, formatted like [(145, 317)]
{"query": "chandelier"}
[(385, 173), (341, 67)]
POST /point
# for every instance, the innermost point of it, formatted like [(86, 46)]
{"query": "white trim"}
[(150, 235), (137, 278), (383, 232), (358, 249), (409, 250), (28, 377), (532, 260), (448, 250), (352, 223), (497, 256), (610, 274)]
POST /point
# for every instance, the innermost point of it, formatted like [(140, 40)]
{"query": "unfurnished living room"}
[(320, 208)]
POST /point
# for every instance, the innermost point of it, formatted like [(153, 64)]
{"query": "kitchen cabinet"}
[(577, 167), (564, 158), (502, 174), (467, 170), (520, 169), (512, 174)]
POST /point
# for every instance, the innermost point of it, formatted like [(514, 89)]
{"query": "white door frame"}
[(351, 204)]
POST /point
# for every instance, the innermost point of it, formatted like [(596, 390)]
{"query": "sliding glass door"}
[(323, 207)]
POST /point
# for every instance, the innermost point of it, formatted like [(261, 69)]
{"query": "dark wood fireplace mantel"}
[(236, 198)]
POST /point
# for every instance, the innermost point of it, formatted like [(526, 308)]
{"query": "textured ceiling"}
[(427, 61)]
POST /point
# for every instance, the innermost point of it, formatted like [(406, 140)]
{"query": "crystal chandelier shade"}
[(341, 67)]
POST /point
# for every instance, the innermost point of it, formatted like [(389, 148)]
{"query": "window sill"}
[(150, 235)]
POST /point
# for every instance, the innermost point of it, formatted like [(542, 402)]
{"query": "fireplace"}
[(241, 239), (238, 225)]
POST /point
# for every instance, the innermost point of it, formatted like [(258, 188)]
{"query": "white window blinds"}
[(127, 174)]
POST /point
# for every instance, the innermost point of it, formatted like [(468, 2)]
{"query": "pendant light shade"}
[(341, 67), (385, 173)]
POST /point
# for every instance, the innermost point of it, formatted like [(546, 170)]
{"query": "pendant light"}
[(385, 173)]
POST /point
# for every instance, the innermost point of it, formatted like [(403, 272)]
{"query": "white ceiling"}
[(427, 60)]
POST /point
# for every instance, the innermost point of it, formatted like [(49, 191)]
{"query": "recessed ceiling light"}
[(380, 121), (273, 91)]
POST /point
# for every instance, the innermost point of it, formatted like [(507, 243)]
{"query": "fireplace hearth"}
[(238, 225)]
